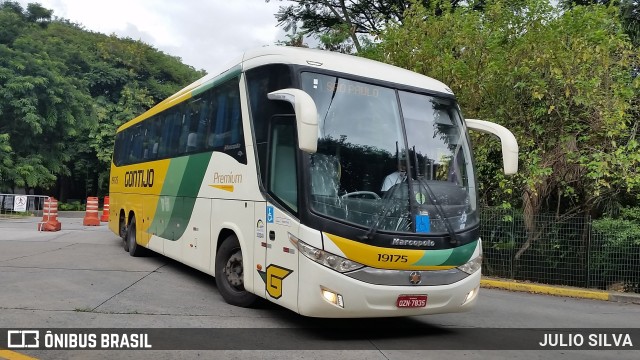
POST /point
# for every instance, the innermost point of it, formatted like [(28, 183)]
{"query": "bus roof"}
[(348, 64), (323, 60)]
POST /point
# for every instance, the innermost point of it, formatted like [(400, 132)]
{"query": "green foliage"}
[(6, 161), (629, 14), (342, 25), (72, 206), (558, 256), (63, 93), (617, 240), (561, 81)]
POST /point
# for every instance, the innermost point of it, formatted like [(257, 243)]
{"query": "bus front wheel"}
[(230, 275)]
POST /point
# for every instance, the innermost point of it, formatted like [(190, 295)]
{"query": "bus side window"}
[(120, 149), (156, 136), (169, 136), (221, 102), (225, 121), (283, 181), (191, 120), (235, 121), (202, 116), (137, 144), (261, 81)]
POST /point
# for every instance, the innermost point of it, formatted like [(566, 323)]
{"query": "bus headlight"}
[(472, 265), (332, 261)]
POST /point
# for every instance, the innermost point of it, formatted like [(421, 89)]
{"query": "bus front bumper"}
[(361, 299)]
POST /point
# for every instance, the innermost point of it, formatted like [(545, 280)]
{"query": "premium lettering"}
[(230, 178)]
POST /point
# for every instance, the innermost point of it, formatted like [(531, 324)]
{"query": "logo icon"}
[(415, 278), (23, 339), (273, 279)]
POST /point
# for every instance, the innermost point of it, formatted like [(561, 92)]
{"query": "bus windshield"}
[(388, 159)]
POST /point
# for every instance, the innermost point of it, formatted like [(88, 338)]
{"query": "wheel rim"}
[(233, 270)]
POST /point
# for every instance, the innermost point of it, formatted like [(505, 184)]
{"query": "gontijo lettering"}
[(139, 178)]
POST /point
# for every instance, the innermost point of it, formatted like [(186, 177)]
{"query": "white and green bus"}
[(332, 185)]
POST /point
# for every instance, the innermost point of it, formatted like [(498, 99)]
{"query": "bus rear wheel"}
[(230, 275), (130, 242), (122, 227)]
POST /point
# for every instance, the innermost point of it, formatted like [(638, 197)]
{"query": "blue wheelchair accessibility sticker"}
[(423, 224), (270, 214)]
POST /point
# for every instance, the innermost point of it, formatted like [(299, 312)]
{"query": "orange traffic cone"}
[(50, 216), (105, 210), (91, 216)]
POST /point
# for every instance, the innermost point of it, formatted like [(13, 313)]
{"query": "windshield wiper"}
[(382, 214), (438, 207)]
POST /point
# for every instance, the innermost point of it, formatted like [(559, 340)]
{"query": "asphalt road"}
[(80, 277)]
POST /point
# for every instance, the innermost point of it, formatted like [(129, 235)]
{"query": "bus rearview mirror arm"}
[(509, 142), (306, 116)]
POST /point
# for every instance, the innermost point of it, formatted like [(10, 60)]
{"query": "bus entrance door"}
[(281, 270)]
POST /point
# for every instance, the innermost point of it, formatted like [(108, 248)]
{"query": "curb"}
[(559, 291)]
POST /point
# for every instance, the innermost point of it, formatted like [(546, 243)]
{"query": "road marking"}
[(12, 355)]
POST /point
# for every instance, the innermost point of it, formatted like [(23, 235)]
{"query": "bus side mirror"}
[(306, 116), (509, 142)]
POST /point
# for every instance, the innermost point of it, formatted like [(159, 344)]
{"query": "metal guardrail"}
[(18, 205)]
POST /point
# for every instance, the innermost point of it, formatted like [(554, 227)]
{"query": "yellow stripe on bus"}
[(383, 258), (228, 188)]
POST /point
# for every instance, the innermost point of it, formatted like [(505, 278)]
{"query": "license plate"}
[(411, 301)]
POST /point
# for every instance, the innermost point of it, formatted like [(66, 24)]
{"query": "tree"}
[(37, 14), (567, 94), (63, 93), (629, 14), (40, 106), (6, 162), (343, 25)]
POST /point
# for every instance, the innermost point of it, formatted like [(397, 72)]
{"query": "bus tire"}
[(229, 274), (130, 242), (122, 229)]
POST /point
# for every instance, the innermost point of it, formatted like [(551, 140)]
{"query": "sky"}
[(205, 34)]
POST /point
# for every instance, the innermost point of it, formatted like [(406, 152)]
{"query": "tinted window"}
[(210, 121), (262, 81)]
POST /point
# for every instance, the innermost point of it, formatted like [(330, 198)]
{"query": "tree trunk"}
[(531, 209)]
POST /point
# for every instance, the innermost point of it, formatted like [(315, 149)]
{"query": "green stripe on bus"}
[(449, 257), (193, 174), (461, 254), (162, 216), (227, 75), (434, 257), (175, 174), (180, 198)]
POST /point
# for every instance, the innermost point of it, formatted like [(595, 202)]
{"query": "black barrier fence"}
[(17, 205), (561, 250), (322, 338)]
